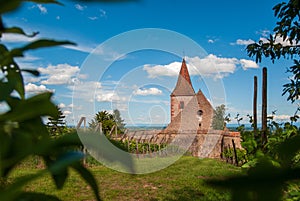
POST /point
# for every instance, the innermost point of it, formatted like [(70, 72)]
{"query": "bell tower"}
[(183, 92)]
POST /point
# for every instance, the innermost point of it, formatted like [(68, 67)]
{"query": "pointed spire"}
[(184, 72), (184, 85)]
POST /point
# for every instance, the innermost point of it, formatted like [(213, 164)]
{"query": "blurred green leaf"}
[(7, 6), (35, 196), (5, 90), (14, 77), (12, 5), (41, 43), (24, 109), (46, 1), (88, 177), (33, 72), (17, 30)]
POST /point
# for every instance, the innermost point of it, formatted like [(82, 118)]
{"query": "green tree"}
[(283, 43), (218, 122), (106, 119), (119, 121), (57, 125)]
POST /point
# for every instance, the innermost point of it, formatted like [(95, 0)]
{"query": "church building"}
[(183, 98), (192, 115)]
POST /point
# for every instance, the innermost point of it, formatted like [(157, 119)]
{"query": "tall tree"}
[(218, 122), (283, 43), (119, 121), (106, 119), (56, 125)]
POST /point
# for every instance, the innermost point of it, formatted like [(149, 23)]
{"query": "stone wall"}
[(201, 143), (205, 143), (175, 104), (207, 109)]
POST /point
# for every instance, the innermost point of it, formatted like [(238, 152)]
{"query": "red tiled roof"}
[(184, 85)]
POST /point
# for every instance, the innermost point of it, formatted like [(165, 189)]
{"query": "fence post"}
[(264, 107), (235, 155), (255, 106)]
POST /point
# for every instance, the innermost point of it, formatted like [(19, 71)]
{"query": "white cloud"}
[(31, 79), (16, 38), (102, 13), (81, 48), (264, 34), (108, 96), (61, 105), (42, 9), (211, 66), (282, 117), (58, 17), (146, 92), (67, 112), (280, 40), (93, 18), (243, 42), (171, 69), (210, 41), (80, 7), (248, 64), (33, 88), (109, 54), (85, 90), (59, 74)]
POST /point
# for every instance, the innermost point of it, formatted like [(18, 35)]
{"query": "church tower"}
[(184, 100), (183, 92)]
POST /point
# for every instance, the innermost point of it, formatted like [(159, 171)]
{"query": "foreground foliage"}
[(273, 168), (22, 131)]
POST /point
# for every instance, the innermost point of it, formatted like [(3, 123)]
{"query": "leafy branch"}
[(284, 43)]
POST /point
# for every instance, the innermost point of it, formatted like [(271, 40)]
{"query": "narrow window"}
[(181, 105)]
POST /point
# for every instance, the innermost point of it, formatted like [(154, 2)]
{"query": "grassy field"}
[(184, 180)]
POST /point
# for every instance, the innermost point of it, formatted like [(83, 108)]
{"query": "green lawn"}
[(184, 180)]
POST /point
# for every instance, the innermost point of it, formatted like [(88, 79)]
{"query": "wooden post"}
[(264, 107), (222, 147), (137, 147), (110, 132), (255, 107), (235, 155), (100, 128), (83, 119)]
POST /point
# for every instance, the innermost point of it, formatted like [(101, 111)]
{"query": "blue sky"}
[(139, 83)]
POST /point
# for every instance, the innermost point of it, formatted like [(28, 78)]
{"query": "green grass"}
[(184, 180)]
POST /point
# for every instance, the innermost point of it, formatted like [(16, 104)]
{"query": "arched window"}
[(199, 112)]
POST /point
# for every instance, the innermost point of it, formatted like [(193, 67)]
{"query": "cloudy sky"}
[(128, 55)]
